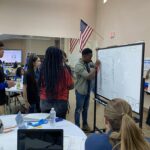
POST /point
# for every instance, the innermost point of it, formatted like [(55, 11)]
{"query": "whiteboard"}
[(11, 56), (121, 72)]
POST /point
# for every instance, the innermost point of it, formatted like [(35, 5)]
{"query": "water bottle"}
[(52, 116), (20, 121), (18, 84)]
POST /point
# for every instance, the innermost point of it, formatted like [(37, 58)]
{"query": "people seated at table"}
[(19, 73), (121, 131), (55, 83), (15, 65), (30, 84), (3, 83)]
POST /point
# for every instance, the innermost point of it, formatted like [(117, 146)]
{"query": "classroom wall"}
[(76, 54), (50, 18), (17, 44), (38, 46), (129, 19), (29, 45)]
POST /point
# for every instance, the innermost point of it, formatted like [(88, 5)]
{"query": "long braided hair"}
[(52, 70)]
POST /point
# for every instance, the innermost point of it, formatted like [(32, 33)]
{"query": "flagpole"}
[(79, 47), (98, 34)]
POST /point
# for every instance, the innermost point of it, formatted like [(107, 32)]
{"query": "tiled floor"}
[(100, 114)]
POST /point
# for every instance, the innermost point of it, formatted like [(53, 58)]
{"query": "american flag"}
[(85, 33), (73, 43)]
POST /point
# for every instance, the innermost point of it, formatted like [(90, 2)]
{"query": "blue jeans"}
[(82, 105)]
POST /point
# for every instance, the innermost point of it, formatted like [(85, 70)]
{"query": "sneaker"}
[(86, 128)]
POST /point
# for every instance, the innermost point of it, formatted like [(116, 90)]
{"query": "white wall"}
[(38, 46), (129, 19), (51, 18), (30, 45), (76, 54)]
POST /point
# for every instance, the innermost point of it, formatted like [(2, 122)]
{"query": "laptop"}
[(40, 139)]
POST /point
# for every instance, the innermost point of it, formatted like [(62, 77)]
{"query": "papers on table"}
[(15, 89), (36, 117), (7, 123)]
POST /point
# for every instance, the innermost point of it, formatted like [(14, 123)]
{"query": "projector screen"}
[(121, 73), (10, 56)]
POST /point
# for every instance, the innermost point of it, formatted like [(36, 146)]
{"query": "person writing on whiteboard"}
[(84, 75), (121, 131), (3, 83)]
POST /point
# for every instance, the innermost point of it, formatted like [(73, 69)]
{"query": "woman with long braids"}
[(30, 84), (121, 131), (55, 83)]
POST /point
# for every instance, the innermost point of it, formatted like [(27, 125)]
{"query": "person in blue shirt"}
[(121, 131), (3, 83)]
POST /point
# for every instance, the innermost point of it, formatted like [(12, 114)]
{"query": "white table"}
[(15, 89), (12, 90), (74, 137)]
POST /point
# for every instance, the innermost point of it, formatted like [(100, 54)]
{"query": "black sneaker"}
[(86, 128)]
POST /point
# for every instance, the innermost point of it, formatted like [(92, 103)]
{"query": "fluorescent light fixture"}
[(104, 1)]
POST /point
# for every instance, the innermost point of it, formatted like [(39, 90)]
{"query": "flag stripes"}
[(85, 34), (73, 43)]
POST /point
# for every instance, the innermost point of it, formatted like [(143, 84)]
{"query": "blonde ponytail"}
[(125, 134), (131, 135)]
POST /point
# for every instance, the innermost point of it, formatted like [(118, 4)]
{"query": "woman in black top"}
[(30, 84)]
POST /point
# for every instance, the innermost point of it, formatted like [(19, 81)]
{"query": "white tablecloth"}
[(15, 89), (74, 137), (10, 91)]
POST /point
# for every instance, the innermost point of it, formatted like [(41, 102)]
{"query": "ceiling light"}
[(104, 1)]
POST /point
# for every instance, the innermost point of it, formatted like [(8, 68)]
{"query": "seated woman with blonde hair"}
[(121, 131)]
